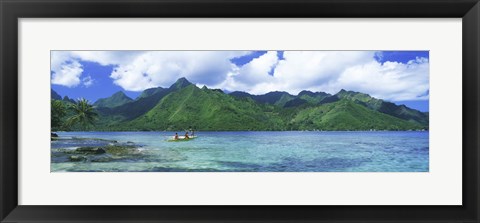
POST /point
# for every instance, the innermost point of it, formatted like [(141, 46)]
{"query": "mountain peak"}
[(66, 98), (278, 93), (55, 95), (305, 92), (344, 92), (117, 99), (182, 80), (150, 91), (181, 83), (119, 94)]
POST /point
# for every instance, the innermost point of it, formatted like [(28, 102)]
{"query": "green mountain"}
[(205, 109), (184, 105), (313, 97), (296, 102), (399, 111), (67, 99), (278, 98), (115, 100), (54, 95), (150, 92), (305, 98), (131, 110), (241, 94), (284, 99), (180, 83), (348, 115)]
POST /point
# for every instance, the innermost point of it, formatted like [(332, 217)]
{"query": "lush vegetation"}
[(58, 110), (348, 115), (83, 114), (184, 105), (115, 100), (205, 109), (67, 115)]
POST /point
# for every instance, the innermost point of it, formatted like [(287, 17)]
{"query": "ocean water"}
[(287, 151)]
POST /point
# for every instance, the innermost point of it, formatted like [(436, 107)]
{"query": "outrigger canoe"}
[(182, 139)]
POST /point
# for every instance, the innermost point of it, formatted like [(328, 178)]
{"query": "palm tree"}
[(58, 112), (84, 114)]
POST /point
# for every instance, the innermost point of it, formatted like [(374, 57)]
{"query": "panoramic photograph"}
[(239, 111)]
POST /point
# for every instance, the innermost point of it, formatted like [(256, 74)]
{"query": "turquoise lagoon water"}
[(256, 152)]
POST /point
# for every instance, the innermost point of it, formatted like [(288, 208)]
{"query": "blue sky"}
[(400, 56), (398, 76), (102, 85)]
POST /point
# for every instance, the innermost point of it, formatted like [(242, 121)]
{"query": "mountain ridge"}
[(117, 99), (183, 105)]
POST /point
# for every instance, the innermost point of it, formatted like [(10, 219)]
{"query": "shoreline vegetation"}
[(185, 106)]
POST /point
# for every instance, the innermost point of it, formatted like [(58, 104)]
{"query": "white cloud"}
[(257, 70), (390, 80), (66, 73), (88, 81), (298, 71), (66, 67), (327, 71), (309, 69), (163, 68), (139, 70), (105, 58), (250, 75), (331, 71)]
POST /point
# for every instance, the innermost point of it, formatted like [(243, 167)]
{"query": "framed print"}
[(224, 111)]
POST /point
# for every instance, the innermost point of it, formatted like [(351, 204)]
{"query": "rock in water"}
[(121, 150), (90, 150), (102, 159), (77, 158), (53, 134)]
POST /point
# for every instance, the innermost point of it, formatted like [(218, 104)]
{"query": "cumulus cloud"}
[(66, 66), (327, 71), (162, 68), (139, 70), (299, 70), (250, 75), (87, 81), (390, 80), (331, 71), (66, 73), (106, 57)]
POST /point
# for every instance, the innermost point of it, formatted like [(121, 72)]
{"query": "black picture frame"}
[(12, 10)]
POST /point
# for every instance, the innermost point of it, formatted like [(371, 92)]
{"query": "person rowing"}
[(186, 135), (176, 136), (192, 131)]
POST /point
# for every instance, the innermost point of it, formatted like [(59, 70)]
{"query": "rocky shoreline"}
[(95, 150)]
